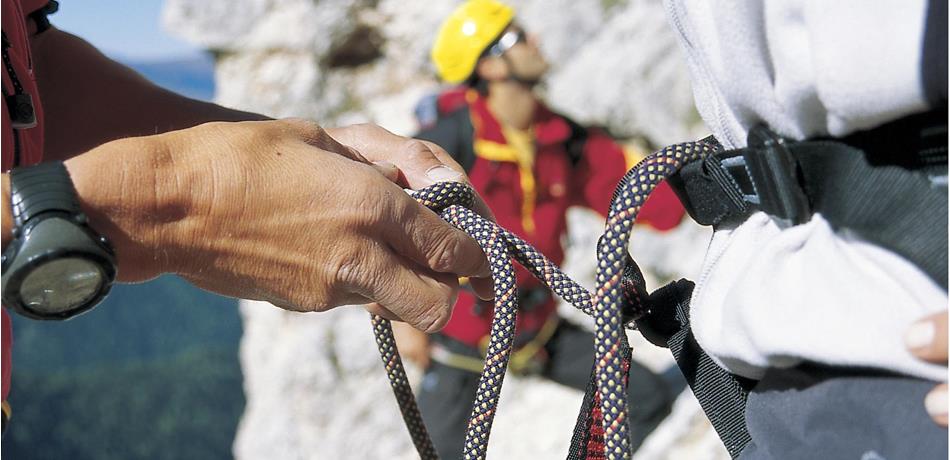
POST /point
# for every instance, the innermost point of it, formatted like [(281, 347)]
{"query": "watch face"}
[(61, 285)]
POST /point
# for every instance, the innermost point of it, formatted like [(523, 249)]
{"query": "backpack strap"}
[(455, 133), (575, 143)]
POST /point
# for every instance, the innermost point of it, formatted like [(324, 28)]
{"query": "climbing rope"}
[(614, 290)]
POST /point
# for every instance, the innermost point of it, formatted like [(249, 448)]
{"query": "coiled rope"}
[(606, 305)]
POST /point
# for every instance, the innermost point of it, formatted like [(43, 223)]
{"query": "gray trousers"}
[(812, 412)]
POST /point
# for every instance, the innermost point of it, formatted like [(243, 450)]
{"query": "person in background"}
[(529, 164), (111, 177)]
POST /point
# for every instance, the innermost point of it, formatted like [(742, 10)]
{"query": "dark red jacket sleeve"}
[(599, 171)]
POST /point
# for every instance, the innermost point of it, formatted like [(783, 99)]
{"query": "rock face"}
[(315, 385), (615, 62)]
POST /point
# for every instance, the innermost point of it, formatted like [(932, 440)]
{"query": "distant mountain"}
[(192, 76)]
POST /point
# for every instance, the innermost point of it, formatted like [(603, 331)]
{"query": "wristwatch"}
[(56, 266)]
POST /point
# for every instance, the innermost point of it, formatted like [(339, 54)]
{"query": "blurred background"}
[(163, 370), (153, 372)]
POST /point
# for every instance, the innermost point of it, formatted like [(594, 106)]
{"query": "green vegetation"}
[(151, 373)]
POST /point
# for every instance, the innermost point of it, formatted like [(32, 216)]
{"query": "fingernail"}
[(936, 402), (443, 174), (919, 334)]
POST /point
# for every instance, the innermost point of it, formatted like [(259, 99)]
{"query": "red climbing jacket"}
[(22, 145), (571, 166)]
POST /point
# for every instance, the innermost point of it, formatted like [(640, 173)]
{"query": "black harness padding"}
[(933, 62), (888, 185), (721, 394)]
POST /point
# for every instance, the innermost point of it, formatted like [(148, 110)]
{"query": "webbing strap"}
[(722, 395), (887, 205), (887, 185)]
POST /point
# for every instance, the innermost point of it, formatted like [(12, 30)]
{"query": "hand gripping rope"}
[(615, 288)]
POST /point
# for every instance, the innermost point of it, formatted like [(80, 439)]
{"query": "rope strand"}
[(451, 200)]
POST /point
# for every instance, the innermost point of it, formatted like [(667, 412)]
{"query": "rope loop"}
[(618, 298)]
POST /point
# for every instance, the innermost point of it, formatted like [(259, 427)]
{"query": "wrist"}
[(129, 190)]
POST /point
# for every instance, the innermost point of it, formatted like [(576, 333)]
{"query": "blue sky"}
[(129, 29)]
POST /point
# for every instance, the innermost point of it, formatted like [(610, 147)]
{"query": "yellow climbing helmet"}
[(466, 34)]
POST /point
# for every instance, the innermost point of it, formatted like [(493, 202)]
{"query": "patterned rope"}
[(452, 200), (608, 297)]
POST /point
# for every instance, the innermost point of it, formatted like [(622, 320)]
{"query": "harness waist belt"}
[(888, 185)]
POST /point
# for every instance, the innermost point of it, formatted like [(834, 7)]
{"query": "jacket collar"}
[(549, 128)]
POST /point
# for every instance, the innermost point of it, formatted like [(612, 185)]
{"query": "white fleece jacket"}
[(773, 295)]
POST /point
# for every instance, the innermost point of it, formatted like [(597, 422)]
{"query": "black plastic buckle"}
[(776, 177), (716, 188), (730, 185), (22, 113)]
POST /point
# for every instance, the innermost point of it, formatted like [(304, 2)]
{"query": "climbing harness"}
[(887, 185), (618, 299), (525, 359)]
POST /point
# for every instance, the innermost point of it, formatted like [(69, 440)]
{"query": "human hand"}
[(413, 344), (276, 211), (927, 340), (421, 163)]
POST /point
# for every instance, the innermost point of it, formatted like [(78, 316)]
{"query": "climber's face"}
[(516, 55), (524, 57)]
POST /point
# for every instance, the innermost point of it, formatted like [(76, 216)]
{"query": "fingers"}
[(927, 338), (416, 159), (484, 288), (422, 163), (313, 134), (381, 311), (936, 404), (389, 171), (426, 239), (403, 291), (479, 205)]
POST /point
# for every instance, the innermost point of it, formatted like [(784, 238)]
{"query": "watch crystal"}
[(61, 285)]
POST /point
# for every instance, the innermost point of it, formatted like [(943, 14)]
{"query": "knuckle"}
[(307, 130), (374, 207), (348, 270), (302, 125), (416, 150), (446, 254)]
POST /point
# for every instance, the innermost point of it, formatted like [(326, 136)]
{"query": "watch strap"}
[(42, 188)]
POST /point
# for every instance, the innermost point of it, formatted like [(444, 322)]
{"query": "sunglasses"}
[(507, 41)]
